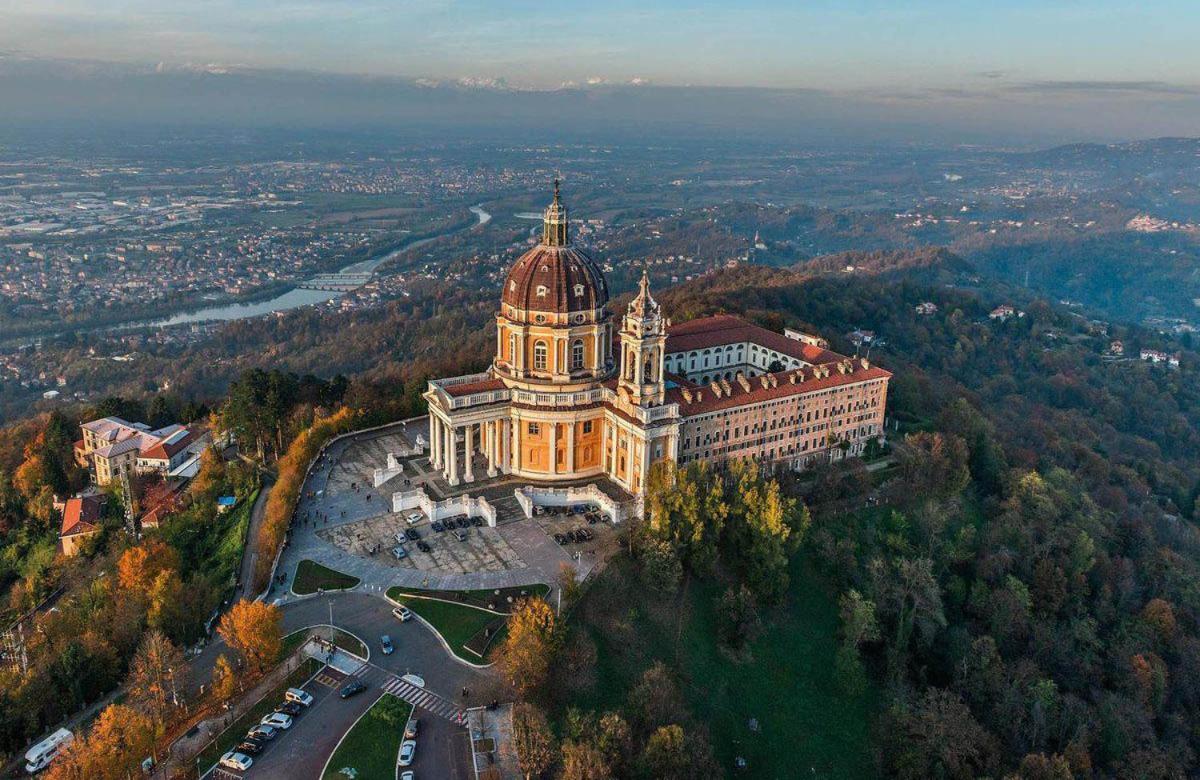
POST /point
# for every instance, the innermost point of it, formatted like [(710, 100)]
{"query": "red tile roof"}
[(722, 329), (167, 449), (707, 400), (81, 515)]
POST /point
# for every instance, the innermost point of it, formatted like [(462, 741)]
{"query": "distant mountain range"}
[(34, 90)]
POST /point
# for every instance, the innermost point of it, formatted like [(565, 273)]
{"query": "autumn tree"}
[(255, 631), (583, 761), (529, 648), (157, 674), (113, 749), (532, 739), (224, 679), (140, 566)]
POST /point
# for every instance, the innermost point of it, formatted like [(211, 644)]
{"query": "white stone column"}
[(505, 446), (491, 431), (553, 448), (469, 472), (571, 447), (452, 474), (433, 441), (438, 434), (515, 444)]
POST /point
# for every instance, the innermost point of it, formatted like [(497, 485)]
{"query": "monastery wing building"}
[(573, 393)]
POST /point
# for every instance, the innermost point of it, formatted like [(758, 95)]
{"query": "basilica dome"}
[(555, 277)]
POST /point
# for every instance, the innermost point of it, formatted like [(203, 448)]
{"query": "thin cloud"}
[(1103, 87)]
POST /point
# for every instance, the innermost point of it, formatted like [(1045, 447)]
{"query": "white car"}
[(403, 614), (407, 775), (413, 518), (399, 553), (235, 760), (303, 698), (279, 720), (408, 750)]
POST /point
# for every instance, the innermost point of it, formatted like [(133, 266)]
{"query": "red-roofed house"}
[(81, 521), (111, 446)]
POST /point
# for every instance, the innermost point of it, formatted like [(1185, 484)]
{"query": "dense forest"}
[(1025, 591)]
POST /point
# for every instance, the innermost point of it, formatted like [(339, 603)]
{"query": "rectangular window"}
[(587, 426), (534, 429)]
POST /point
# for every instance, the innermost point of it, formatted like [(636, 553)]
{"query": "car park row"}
[(241, 757)]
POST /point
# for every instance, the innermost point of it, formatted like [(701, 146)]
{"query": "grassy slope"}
[(371, 745), (808, 727), (312, 576), (454, 622)]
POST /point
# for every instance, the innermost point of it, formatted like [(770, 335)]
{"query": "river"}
[(298, 296)]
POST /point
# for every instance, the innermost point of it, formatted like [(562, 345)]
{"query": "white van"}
[(40, 755)]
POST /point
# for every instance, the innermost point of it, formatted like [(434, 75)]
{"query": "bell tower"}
[(643, 349)]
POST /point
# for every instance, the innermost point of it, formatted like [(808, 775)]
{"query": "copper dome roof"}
[(555, 276)]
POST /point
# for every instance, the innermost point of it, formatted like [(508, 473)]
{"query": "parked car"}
[(437, 526), (561, 539), (262, 731), (464, 521), (403, 614), (412, 534), (412, 518), (423, 547), (409, 775), (278, 720), (461, 535), (585, 534), (410, 731), (477, 521), (303, 698), (290, 708), (399, 553), (249, 747), (408, 751), (235, 760), (385, 644), (351, 688)]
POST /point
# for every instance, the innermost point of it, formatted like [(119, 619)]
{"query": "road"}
[(250, 554), (443, 750)]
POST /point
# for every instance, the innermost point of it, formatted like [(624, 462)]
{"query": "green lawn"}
[(371, 745), (236, 730), (807, 726), (479, 598), (455, 622), (312, 576)]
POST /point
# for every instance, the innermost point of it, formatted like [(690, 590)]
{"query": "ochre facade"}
[(574, 394)]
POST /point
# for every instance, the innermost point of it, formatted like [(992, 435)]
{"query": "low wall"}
[(529, 497), (395, 466), (449, 507)]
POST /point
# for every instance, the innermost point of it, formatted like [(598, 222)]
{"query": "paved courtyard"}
[(345, 523)]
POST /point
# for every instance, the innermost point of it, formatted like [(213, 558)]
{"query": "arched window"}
[(539, 356), (577, 354), (579, 291), (512, 348)]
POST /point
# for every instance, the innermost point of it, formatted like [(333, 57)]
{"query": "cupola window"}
[(579, 291), (541, 291)]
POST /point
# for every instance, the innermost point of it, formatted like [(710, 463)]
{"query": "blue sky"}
[(861, 45)]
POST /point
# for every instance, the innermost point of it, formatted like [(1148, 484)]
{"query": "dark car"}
[(351, 688), (464, 521), (412, 534), (477, 521), (249, 747), (290, 708), (584, 534), (437, 526), (560, 538), (422, 547)]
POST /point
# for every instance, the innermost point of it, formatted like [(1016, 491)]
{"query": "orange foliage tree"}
[(140, 566), (255, 631), (529, 648), (113, 750), (286, 492)]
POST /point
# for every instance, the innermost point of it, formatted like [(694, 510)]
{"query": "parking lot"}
[(480, 549), (321, 722), (579, 529)]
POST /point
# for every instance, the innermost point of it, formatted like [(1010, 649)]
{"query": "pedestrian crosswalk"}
[(414, 695)]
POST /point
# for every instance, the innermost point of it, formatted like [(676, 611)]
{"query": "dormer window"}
[(512, 285), (579, 291), (541, 291)]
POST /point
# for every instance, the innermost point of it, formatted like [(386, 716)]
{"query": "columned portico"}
[(469, 475)]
